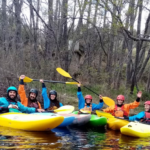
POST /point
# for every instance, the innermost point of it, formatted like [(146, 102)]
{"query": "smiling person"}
[(10, 101), (121, 109), (50, 102), (31, 100), (143, 116), (85, 103)]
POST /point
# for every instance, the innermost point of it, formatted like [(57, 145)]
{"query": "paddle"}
[(67, 109), (108, 101), (27, 79), (108, 115), (101, 113)]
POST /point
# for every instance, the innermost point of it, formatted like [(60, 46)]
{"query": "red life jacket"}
[(119, 111), (146, 118)]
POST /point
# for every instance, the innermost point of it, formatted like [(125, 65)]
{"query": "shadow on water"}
[(70, 139)]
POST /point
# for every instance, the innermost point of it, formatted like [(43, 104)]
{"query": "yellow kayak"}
[(112, 122), (136, 129), (116, 124), (30, 122)]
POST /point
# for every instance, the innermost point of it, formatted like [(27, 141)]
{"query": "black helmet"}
[(53, 92), (34, 91)]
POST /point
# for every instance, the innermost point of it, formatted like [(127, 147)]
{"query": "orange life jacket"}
[(87, 108), (52, 108), (119, 111)]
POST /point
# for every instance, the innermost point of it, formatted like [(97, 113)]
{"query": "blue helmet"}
[(12, 88)]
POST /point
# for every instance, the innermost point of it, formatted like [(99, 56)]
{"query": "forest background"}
[(105, 44)]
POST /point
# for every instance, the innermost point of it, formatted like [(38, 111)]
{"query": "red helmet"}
[(120, 97), (147, 102), (88, 97)]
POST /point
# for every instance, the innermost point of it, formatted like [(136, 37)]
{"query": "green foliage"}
[(145, 96)]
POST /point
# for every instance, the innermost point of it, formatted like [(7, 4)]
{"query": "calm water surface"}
[(70, 139)]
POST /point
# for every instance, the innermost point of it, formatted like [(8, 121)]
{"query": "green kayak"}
[(95, 120)]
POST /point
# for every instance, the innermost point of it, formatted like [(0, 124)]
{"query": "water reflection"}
[(70, 139), (23, 139)]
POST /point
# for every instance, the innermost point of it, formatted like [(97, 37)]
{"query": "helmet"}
[(34, 91), (53, 92), (12, 88), (88, 97), (147, 102), (120, 97)]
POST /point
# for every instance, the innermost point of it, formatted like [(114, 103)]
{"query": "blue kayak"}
[(67, 119)]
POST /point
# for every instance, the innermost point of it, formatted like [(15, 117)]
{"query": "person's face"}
[(12, 94), (120, 102), (88, 100), (32, 96), (52, 97), (147, 107)]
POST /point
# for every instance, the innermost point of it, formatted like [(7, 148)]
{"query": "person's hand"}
[(41, 80), (79, 85), (13, 106), (100, 97), (40, 110), (139, 94), (22, 77)]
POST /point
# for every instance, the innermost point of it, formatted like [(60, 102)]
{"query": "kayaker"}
[(51, 102), (31, 100), (143, 116), (86, 102), (11, 102), (121, 109)]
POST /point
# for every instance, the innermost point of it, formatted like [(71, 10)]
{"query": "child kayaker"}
[(51, 102), (11, 102), (121, 109), (86, 102), (31, 100), (143, 116)]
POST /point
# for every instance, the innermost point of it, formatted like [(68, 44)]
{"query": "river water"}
[(70, 139)]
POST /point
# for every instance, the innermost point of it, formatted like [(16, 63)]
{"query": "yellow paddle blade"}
[(71, 82), (27, 79), (108, 101), (63, 72), (85, 111), (67, 109), (101, 113)]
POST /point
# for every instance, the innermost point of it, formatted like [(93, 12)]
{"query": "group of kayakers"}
[(30, 104)]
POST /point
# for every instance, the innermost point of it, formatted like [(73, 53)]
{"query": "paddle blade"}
[(108, 101), (101, 113), (71, 82), (85, 111), (67, 109), (27, 79), (63, 72)]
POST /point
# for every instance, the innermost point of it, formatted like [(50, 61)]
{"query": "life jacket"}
[(33, 103), (119, 111), (146, 118), (52, 108), (87, 108), (54, 104)]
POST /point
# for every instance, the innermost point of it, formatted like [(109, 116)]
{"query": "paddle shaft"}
[(86, 87), (50, 81)]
